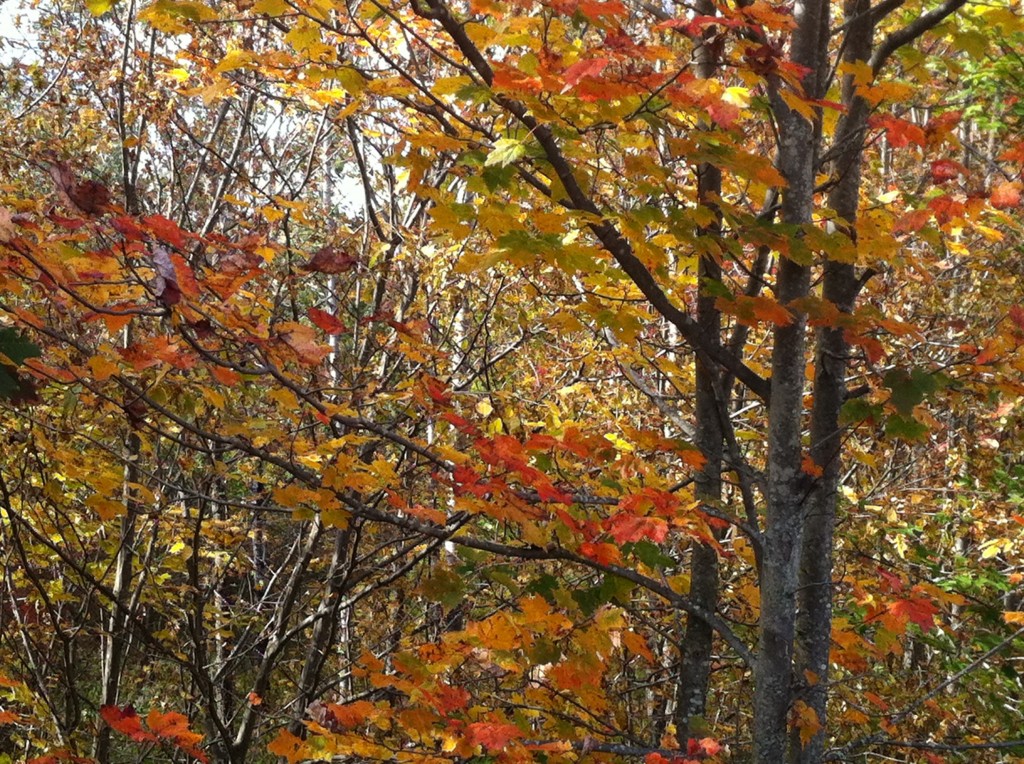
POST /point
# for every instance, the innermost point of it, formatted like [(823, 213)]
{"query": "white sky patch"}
[(16, 35)]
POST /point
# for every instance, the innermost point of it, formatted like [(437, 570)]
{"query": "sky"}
[(10, 33)]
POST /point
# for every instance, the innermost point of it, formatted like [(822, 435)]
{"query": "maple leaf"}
[(603, 554), (302, 339), (590, 67), (7, 227), (624, 527), (946, 169), (806, 720), (1005, 195), (916, 610), (493, 736), (899, 132), (85, 196), (325, 321), (288, 746), (173, 727), (127, 722), (331, 260), (166, 230), (810, 467), (348, 715), (59, 756)]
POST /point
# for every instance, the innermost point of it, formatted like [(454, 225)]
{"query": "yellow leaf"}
[(737, 96), (1015, 617), (806, 720), (107, 509), (303, 36), (235, 59), (334, 518), (271, 7), (484, 407), (798, 104), (271, 213), (99, 7)]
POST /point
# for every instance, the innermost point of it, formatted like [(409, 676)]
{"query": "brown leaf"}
[(331, 260), (166, 282), (85, 196)]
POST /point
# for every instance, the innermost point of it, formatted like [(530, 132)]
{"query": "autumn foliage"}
[(507, 381)]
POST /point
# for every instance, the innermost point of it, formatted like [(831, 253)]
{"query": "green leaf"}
[(16, 350), (909, 388), (649, 554), (505, 152), (445, 586), (906, 428), (857, 410)]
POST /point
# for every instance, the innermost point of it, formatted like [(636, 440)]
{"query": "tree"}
[(570, 394)]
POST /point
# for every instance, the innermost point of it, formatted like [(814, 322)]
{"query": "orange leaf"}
[(303, 341), (225, 376), (287, 746), (1005, 195), (809, 467), (806, 720), (603, 554), (350, 714)]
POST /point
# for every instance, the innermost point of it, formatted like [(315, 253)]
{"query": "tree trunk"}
[(840, 286), (788, 484)]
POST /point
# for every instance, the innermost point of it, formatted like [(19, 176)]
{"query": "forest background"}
[(511, 380)]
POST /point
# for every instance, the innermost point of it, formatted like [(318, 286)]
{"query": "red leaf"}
[(491, 735), (900, 132), (594, 9), (709, 746), (448, 698), (185, 277), (1016, 314), (590, 67), (894, 581), (810, 467), (436, 390), (916, 610), (912, 221), (225, 376), (325, 321), (165, 230), (127, 722), (624, 528), (946, 169), (127, 227)]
